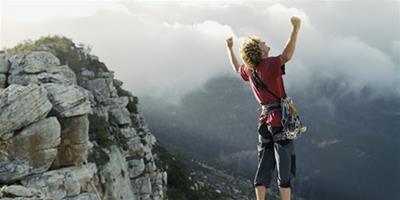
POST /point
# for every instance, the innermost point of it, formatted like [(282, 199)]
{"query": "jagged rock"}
[(52, 91), (122, 102), (4, 63), (39, 67), (101, 112), (25, 66), (157, 187), (3, 80), (136, 148), (106, 75), (148, 155), (150, 139), (119, 116), (115, 178), (86, 74), (73, 149), (84, 196), (135, 167), (21, 106), (142, 186), (33, 148), (67, 100), (60, 75), (117, 83), (65, 182), (165, 177), (14, 170), (35, 61), (19, 191), (150, 167), (128, 132), (102, 89), (64, 73)]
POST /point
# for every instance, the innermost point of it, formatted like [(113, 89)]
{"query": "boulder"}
[(119, 116), (4, 63), (84, 196), (73, 149), (67, 100), (64, 182), (32, 150), (39, 67), (21, 106), (3, 80), (114, 177), (19, 191), (102, 89), (135, 167), (25, 66), (142, 186)]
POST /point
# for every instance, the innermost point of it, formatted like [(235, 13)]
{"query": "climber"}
[(259, 68)]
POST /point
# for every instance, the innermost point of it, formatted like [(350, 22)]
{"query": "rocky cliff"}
[(69, 131)]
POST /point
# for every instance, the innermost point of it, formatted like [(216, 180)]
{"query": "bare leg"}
[(285, 193), (260, 192)]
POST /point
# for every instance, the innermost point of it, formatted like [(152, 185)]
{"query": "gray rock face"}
[(84, 196), (4, 63), (135, 168), (3, 80), (120, 116), (14, 170), (39, 67), (25, 66), (21, 106), (115, 177), (142, 185), (65, 182), (19, 191), (67, 76), (33, 149), (44, 134), (102, 89), (68, 100), (73, 149)]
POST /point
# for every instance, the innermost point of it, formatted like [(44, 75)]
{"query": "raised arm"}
[(291, 44), (234, 62)]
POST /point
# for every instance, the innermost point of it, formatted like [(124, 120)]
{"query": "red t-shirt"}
[(270, 71)]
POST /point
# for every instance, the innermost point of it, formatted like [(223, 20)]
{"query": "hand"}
[(229, 42), (295, 22)]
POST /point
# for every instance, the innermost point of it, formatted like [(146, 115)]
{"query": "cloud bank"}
[(168, 49)]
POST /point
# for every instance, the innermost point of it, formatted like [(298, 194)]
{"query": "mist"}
[(167, 49)]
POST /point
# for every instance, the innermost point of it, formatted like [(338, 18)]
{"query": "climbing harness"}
[(291, 124)]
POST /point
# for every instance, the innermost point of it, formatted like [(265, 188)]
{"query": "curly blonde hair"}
[(250, 52)]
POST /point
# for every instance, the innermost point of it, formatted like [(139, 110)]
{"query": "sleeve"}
[(277, 68), (243, 73)]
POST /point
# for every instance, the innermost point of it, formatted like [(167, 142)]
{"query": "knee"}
[(259, 186), (286, 184)]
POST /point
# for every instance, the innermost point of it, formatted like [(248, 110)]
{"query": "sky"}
[(168, 48)]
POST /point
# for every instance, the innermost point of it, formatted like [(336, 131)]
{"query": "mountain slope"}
[(350, 135)]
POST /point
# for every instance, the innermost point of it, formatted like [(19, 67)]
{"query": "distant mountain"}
[(350, 151)]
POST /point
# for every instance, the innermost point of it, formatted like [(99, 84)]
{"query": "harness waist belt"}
[(270, 107)]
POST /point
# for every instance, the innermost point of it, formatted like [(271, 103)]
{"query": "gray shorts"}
[(270, 154)]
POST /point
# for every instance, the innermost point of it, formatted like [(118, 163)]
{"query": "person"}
[(258, 64)]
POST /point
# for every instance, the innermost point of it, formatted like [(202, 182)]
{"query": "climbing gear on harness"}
[(292, 126), (291, 123)]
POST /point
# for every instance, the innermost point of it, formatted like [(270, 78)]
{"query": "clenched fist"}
[(229, 42), (295, 22)]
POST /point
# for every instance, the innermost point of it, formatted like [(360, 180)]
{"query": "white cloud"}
[(171, 48), (39, 11)]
